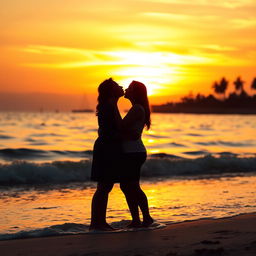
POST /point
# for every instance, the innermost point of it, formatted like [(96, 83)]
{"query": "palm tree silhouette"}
[(216, 88), (239, 85), (224, 86), (220, 88), (253, 85)]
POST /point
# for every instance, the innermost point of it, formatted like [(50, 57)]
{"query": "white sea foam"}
[(75, 229), (64, 229)]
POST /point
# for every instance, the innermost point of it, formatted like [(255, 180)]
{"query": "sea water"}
[(198, 166)]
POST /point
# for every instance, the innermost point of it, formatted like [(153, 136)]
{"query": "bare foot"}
[(103, 227), (134, 224), (147, 222)]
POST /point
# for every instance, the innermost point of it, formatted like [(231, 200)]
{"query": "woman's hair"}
[(141, 97), (105, 91)]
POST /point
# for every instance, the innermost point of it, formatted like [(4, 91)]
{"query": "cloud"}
[(45, 49), (110, 58), (167, 16), (172, 56), (79, 57), (244, 23), (219, 48), (219, 3)]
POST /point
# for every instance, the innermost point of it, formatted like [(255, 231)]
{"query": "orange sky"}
[(174, 47)]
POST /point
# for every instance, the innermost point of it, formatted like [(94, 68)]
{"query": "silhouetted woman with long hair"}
[(134, 153), (106, 152)]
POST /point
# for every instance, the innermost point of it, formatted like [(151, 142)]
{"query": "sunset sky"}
[(57, 46)]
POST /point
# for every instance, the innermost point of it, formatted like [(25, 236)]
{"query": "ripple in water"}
[(4, 137)]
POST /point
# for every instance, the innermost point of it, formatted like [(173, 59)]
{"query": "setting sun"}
[(149, 68)]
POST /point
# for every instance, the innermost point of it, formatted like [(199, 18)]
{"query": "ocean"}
[(198, 166)]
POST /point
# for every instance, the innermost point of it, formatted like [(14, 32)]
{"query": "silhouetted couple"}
[(119, 152)]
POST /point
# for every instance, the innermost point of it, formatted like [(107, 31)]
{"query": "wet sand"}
[(228, 236)]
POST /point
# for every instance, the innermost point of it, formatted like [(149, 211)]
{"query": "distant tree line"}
[(238, 101), (222, 86)]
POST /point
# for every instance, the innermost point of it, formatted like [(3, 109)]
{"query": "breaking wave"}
[(159, 165), (29, 153)]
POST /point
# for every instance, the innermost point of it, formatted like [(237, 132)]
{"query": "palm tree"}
[(239, 84), (216, 88), (253, 85), (223, 86)]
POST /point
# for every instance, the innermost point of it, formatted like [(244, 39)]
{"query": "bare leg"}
[(135, 198), (132, 203), (143, 204), (99, 206)]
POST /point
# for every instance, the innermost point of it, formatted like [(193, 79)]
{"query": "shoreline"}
[(226, 236)]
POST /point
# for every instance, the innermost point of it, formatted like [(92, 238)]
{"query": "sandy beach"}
[(227, 236)]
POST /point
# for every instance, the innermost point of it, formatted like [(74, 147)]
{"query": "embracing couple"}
[(119, 153)]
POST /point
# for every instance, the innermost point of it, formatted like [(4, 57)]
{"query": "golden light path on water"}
[(169, 201)]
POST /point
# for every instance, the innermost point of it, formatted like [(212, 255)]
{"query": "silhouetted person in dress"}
[(134, 153), (106, 152)]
